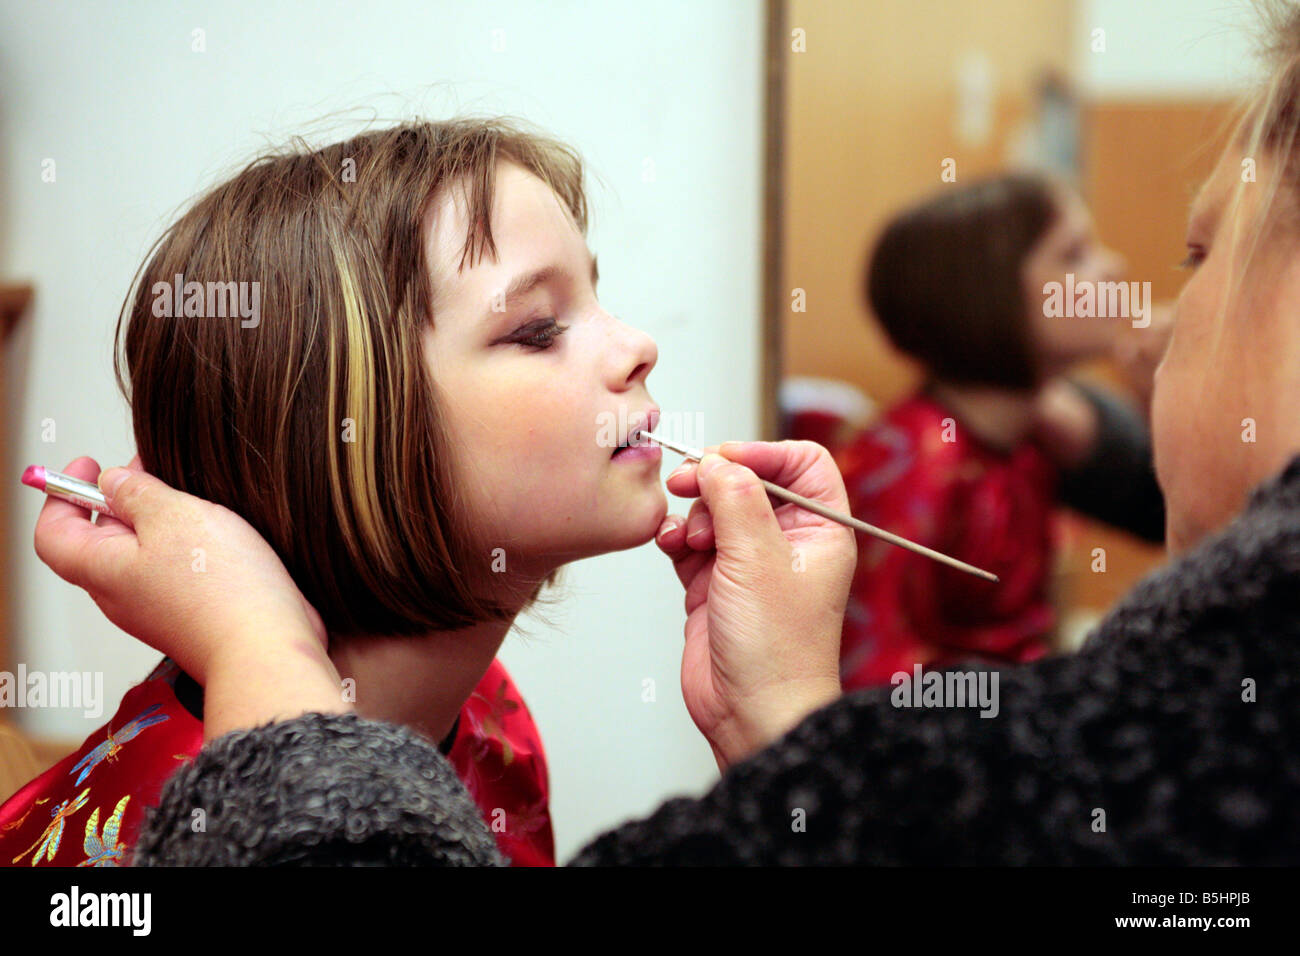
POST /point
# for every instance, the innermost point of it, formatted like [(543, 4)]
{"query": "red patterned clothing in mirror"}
[(920, 474)]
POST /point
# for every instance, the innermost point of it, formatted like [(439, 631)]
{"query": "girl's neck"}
[(1001, 418), (422, 682)]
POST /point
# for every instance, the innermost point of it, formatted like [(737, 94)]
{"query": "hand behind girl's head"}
[(414, 465)]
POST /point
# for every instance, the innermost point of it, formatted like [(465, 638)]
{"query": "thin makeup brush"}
[(848, 521)]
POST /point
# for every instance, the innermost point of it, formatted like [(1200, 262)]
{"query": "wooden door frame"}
[(771, 356)]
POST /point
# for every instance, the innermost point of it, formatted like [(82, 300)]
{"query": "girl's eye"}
[(543, 338), (1195, 256)]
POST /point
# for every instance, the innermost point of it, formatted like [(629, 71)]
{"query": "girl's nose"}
[(642, 353)]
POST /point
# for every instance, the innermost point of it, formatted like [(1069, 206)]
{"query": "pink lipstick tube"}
[(55, 483)]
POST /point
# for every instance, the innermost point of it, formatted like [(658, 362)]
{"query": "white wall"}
[(1164, 48), (138, 123)]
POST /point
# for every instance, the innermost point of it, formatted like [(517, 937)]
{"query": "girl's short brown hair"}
[(320, 424), (945, 280)]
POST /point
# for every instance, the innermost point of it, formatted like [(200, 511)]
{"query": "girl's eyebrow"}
[(526, 282)]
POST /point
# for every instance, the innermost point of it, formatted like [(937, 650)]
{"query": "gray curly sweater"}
[(1173, 737)]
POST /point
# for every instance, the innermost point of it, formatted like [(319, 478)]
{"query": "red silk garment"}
[(87, 809), (920, 474)]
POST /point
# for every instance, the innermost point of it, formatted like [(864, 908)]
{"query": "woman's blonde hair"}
[(1267, 123), (319, 422)]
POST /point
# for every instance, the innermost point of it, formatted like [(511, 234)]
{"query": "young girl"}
[(957, 282), (388, 356)]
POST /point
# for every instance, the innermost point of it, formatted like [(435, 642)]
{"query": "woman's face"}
[(1069, 246), (539, 386), (1224, 410)]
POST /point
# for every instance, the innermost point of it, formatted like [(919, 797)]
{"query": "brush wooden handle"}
[(816, 507)]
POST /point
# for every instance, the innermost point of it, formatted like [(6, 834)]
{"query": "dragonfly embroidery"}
[(47, 844), (104, 850), (113, 743), (23, 819)]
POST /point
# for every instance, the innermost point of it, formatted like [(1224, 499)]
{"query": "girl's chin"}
[(631, 523), (639, 522)]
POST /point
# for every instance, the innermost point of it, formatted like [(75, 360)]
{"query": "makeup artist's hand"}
[(765, 591), (195, 581)]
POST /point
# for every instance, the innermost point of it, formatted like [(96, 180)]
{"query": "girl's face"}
[(1069, 246), (1224, 409), (538, 385)]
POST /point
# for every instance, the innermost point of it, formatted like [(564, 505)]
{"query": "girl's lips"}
[(634, 437), (639, 453)]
